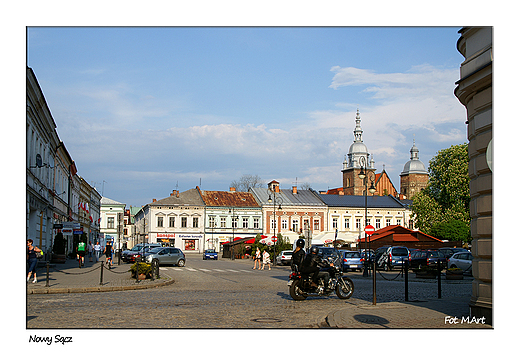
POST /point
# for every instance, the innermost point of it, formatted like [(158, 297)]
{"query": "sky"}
[(146, 110)]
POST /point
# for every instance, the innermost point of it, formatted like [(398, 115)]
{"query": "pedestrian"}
[(266, 260), (257, 258), (108, 254), (97, 251), (82, 246), (32, 260), (90, 249)]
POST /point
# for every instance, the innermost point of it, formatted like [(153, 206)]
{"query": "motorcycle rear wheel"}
[(344, 288), (295, 291)]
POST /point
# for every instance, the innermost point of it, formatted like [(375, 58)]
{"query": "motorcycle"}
[(300, 285)]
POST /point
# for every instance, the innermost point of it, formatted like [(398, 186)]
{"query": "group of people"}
[(308, 264), (82, 249), (261, 258)]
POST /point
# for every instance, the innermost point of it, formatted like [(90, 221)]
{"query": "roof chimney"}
[(232, 189), (294, 190), (154, 200)]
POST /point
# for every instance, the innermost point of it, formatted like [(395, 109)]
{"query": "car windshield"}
[(155, 249), (287, 253), (399, 251), (136, 248), (352, 255), (210, 251)]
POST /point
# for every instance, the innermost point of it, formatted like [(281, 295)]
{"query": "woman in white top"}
[(266, 260)]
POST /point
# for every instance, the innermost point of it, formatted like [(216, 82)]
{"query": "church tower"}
[(414, 176), (357, 157)]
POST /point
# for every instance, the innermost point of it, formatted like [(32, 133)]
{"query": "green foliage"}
[(453, 230), (442, 209), (141, 268)]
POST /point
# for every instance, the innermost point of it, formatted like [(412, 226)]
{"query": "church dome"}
[(358, 147), (414, 165)]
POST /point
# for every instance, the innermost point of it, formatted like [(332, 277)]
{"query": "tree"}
[(442, 209), (247, 181)]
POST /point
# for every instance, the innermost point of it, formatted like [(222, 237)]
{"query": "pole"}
[(438, 279), (374, 282), (405, 281)]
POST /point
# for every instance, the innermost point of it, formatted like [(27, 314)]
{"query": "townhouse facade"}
[(229, 216), (290, 212), (111, 223), (346, 216), (176, 221)]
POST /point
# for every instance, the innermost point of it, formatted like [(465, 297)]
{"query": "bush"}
[(141, 268)]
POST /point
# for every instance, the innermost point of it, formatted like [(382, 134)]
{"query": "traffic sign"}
[(274, 238), (369, 230)]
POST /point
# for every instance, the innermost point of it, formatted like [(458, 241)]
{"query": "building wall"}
[(475, 92), (412, 184)]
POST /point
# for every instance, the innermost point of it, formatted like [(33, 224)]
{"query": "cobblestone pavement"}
[(229, 294)]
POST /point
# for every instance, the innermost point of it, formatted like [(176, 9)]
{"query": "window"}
[(358, 223), (234, 222), (222, 222), (159, 221), (256, 223), (285, 224), (334, 223), (347, 224), (172, 221), (211, 221), (196, 222), (388, 222), (295, 225), (110, 223), (184, 221), (273, 224), (378, 223), (398, 221), (316, 224), (245, 223)]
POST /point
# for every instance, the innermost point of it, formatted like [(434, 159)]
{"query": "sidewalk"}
[(69, 278), (424, 314)]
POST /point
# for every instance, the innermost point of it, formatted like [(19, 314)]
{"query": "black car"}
[(427, 258), (450, 251)]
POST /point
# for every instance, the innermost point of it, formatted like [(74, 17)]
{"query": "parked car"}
[(210, 254), (390, 257), (462, 260), (166, 256), (450, 251), (326, 252), (129, 255), (426, 258), (352, 261), (284, 258)]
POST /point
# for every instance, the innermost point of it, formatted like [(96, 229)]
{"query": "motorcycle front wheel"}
[(344, 288), (295, 291)]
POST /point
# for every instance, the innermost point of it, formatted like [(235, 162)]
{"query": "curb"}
[(49, 290)]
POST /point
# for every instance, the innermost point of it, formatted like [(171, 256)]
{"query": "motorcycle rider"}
[(311, 265), (298, 255)]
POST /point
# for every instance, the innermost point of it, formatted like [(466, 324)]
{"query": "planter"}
[(426, 274), (454, 274), (142, 276)]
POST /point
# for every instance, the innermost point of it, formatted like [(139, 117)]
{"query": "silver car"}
[(166, 256), (462, 260)]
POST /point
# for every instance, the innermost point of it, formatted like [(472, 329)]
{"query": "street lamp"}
[(364, 168), (273, 200), (232, 212)]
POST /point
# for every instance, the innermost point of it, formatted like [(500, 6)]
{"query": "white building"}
[(111, 221)]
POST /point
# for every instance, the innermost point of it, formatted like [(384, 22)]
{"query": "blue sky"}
[(148, 108)]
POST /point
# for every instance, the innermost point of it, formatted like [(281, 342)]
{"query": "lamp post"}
[(232, 212), (364, 164), (273, 200), (364, 168)]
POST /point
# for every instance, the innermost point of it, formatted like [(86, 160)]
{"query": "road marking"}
[(190, 269), (205, 270), (219, 270), (243, 270), (232, 270)]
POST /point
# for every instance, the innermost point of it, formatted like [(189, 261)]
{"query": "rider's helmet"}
[(300, 243), (314, 250)]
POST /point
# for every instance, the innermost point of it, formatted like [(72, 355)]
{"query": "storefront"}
[(190, 242)]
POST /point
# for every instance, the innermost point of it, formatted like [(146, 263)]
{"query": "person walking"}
[(257, 258), (32, 260), (266, 260), (97, 251), (90, 249), (108, 254)]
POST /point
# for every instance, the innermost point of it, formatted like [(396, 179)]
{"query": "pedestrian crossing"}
[(212, 270)]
